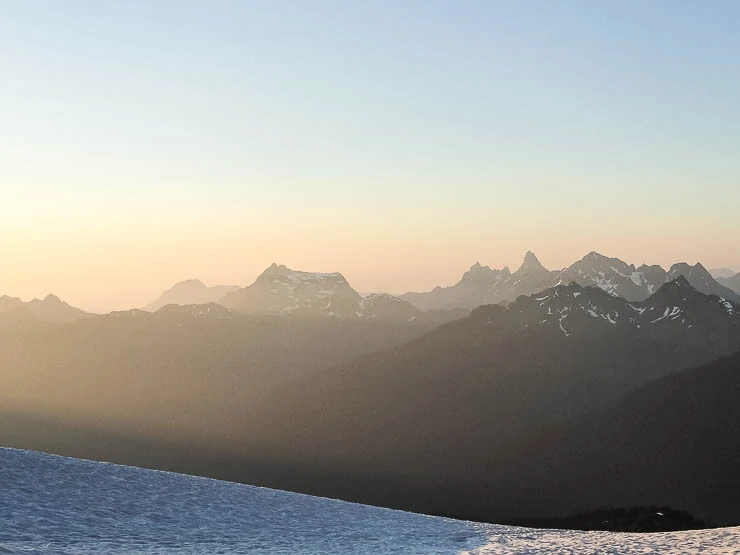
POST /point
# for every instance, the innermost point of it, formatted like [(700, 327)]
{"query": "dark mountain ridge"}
[(675, 441)]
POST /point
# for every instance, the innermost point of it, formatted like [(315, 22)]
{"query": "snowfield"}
[(59, 505)]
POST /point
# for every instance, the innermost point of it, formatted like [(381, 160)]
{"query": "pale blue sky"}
[(165, 139)]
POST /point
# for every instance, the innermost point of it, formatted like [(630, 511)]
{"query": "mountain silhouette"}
[(190, 292)]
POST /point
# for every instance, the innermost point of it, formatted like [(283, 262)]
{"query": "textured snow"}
[(672, 313), (57, 505), (636, 278), (728, 306), (302, 277), (607, 284), (382, 296)]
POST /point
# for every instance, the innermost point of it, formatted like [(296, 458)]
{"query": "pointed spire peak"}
[(531, 263)]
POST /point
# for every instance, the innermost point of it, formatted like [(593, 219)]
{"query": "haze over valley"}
[(401, 277), (297, 381)]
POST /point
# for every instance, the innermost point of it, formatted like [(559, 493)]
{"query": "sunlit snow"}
[(56, 505)]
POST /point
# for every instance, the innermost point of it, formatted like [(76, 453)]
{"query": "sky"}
[(398, 142)]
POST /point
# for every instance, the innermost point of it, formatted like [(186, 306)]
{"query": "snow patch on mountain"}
[(571, 308)]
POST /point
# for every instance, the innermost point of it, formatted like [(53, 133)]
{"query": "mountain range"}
[(282, 291), (299, 382), (49, 309), (399, 413), (481, 285), (544, 358)]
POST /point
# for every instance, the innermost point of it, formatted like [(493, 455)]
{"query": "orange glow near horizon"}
[(114, 269)]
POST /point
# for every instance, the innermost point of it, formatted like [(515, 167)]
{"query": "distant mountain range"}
[(282, 291), (48, 309), (732, 282), (190, 292), (482, 285), (722, 273), (489, 408)]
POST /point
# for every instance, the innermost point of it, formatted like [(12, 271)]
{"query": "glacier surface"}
[(58, 505)]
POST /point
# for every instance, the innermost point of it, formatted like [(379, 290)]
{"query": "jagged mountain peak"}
[(480, 274), (478, 268), (531, 264), (702, 280), (616, 277), (574, 309), (695, 271)]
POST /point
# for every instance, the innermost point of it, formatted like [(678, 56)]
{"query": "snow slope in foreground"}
[(59, 505)]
